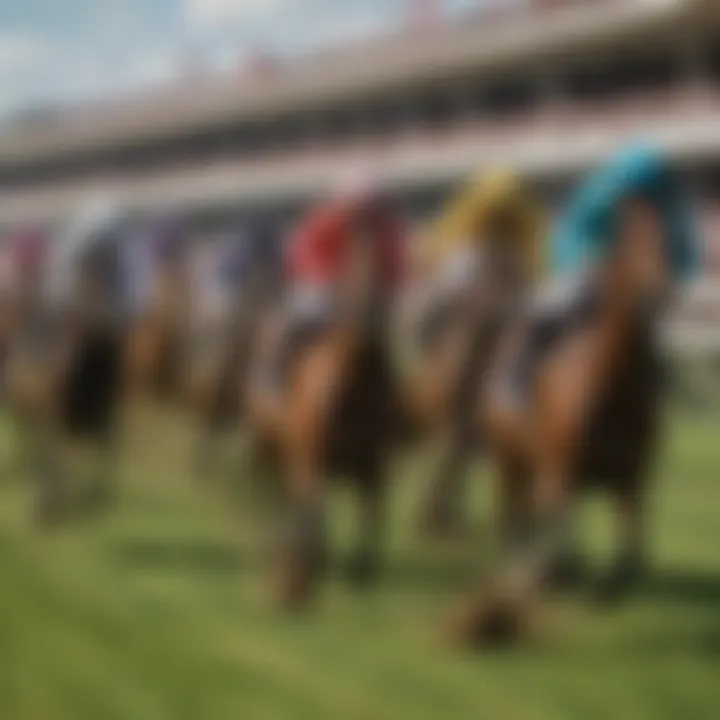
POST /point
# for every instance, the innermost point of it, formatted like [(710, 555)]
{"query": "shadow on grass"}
[(682, 587), (207, 557), (689, 602), (670, 642), (194, 555), (414, 574)]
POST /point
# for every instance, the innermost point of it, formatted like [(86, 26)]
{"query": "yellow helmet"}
[(469, 214)]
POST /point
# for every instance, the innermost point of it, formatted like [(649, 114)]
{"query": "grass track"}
[(158, 613)]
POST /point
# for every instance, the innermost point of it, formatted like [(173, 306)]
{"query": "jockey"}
[(319, 254), (473, 217), (492, 224), (587, 233), (585, 239)]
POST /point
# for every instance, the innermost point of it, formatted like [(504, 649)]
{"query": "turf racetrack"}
[(159, 612)]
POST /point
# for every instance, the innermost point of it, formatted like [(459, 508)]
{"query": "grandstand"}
[(547, 85)]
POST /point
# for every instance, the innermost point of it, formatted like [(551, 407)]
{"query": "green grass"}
[(159, 612)]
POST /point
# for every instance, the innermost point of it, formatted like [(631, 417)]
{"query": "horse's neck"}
[(619, 330)]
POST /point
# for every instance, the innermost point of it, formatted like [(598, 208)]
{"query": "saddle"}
[(554, 313)]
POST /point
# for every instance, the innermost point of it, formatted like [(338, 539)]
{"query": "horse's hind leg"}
[(630, 560)]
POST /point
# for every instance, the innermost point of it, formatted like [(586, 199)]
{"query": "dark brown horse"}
[(575, 403), (335, 419)]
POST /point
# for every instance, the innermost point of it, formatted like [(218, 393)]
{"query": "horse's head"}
[(640, 268)]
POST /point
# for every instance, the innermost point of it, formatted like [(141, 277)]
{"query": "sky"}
[(64, 51)]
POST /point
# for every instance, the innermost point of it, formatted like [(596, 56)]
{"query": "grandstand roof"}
[(541, 146), (485, 42)]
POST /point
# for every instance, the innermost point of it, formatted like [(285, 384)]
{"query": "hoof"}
[(488, 621)]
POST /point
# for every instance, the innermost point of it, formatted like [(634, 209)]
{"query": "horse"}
[(499, 229), (64, 373), (333, 418), (575, 403)]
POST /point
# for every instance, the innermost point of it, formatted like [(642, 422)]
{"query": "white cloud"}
[(19, 53), (332, 29), (217, 12)]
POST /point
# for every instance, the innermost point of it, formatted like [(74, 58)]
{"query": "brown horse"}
[(573, 405), (460, 339), (486, 245), (334, 419)]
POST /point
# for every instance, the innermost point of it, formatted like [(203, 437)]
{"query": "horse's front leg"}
[(302, 556), (303, 547), (503, 608)]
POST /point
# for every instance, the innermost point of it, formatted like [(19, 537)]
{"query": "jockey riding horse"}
[(65, 369), (576, 388), (331, 379), (487, 246)]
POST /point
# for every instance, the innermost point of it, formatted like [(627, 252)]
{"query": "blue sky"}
[(64, 50)]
